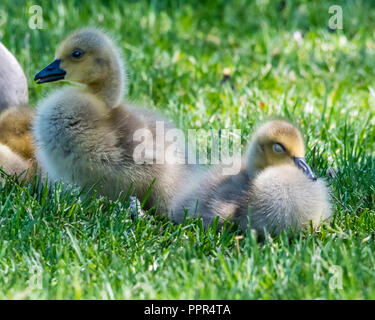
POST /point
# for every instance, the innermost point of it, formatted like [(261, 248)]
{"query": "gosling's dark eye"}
[(278, 148), (77, 54)]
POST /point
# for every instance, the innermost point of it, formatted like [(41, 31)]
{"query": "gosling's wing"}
[(131, 123), (124, 123)]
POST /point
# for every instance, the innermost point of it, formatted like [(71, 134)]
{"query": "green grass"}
[(59, 244)]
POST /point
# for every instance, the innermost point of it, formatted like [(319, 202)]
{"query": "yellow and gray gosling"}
[(85, 135), (275, 189)]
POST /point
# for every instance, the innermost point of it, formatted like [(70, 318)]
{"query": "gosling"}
[(15, 130), (11, 163), (85, 136), (17, 151), (275, 190)]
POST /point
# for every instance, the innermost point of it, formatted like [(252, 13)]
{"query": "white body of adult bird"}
[(13, 83)]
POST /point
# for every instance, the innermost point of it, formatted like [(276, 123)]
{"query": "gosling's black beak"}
[(301, 163), (50, 73)]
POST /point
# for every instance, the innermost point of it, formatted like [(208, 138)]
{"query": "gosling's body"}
[(11, 163), (13, 83), (84, 135), (270, 191), (80, 141), (15, 130), (210, 194), (282, 197)]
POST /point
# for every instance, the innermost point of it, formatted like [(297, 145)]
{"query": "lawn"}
[(283, 60)]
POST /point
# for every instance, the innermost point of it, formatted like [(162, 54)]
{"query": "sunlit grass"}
[(57, 243)]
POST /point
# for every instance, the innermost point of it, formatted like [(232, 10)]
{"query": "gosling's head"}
[(276, 143), (87, 56)]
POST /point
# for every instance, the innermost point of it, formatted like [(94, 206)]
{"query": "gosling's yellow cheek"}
[(279, 160), (63, 65), (59, 54), (66, 64)]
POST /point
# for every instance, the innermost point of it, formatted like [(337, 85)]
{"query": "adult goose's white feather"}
[(275, 189), (85, 136), (13, 83)]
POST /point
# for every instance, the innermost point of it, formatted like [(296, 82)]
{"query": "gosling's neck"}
[(111, 88)]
